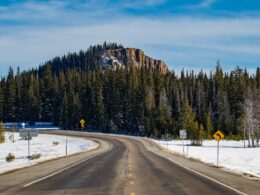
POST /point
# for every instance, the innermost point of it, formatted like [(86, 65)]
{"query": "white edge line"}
[(53, 174), (196, 172)]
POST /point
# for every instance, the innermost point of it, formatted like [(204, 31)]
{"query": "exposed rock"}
[(127, 57)]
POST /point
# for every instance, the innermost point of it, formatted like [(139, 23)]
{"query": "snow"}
[(232, 154), (37, 125), (42, 144), (111, 62)]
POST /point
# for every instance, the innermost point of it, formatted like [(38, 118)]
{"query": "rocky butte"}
[(128, 57)]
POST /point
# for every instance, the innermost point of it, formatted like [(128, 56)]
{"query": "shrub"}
[(234, 137), (2, 139), (10, 157), (55, 143), (2, 131), (34, 156)]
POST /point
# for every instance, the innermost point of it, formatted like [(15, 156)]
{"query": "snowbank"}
[(42, 144), (232, 154)]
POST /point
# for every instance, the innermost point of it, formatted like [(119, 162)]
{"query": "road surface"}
[(126, 168)]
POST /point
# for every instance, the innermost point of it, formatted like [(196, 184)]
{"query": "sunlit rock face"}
[(131, 57)]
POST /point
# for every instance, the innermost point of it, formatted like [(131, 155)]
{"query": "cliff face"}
[(128, 57)]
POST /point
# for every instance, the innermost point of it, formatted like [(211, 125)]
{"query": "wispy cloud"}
[(206, 3), (202, 4), (139, 4)]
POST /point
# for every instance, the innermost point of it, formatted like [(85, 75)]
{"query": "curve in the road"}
[(129, 168)]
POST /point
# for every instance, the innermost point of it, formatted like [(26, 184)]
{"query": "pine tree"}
[(18, 100), (47, 94), (1, 104), (208, 125), (64, 116), (10, 97), (75, 107), (32, 101), (258, 77), (187, 117), (202, 134), (99, 101)]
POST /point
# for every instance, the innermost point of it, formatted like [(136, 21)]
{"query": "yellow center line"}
[(129, 160), (132, 193)]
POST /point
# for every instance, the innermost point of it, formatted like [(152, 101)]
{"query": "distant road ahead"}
[(128, 168)]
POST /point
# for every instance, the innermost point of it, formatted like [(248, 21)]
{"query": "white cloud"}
[(140, 4), (206, 3), (154, 2), (31, 11), (56, 10), (181, 40), (181, 32), (203, 4)]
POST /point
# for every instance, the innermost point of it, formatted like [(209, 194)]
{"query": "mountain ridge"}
[(108, 55)]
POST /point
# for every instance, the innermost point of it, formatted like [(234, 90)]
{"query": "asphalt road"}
[(128, 168)]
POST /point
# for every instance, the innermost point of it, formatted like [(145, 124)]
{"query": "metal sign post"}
[(167, 140), (183, 135), (218, 155), (28, 134), (28, 146), (66, 146), (218, 136), (187, 150), (183, 147)]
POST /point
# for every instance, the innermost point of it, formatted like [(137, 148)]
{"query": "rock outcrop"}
[(128, 57)]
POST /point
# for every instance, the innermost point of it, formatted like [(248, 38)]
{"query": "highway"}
[(126, 167)]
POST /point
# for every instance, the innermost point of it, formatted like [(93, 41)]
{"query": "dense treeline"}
[(84, 60), (141, 102)]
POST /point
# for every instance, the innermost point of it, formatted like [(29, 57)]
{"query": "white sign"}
[(28, 133), (183, 134), (23, 125)]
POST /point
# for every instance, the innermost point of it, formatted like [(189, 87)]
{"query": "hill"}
[(121, 90), (105, 56)]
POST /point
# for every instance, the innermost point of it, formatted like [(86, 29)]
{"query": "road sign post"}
[(28, 146), (167, 141), (183, 135), (28, 134), (183, 147), (218, 154), (66, 146), (218, 136)]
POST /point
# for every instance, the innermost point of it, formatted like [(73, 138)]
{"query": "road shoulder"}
[(238, 182), (20, 177)]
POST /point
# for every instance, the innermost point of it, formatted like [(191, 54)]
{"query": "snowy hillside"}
[(42, 144), (233, 156)]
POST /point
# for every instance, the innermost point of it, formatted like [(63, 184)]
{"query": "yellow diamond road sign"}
[(82, 122), (218, 135)]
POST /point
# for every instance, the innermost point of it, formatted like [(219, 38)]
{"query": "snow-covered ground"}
[(232, 154), (42, 144)]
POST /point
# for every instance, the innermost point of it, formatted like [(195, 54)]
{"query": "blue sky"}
[(190, 34)]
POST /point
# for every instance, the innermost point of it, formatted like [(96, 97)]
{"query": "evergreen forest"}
[(129, 101)]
